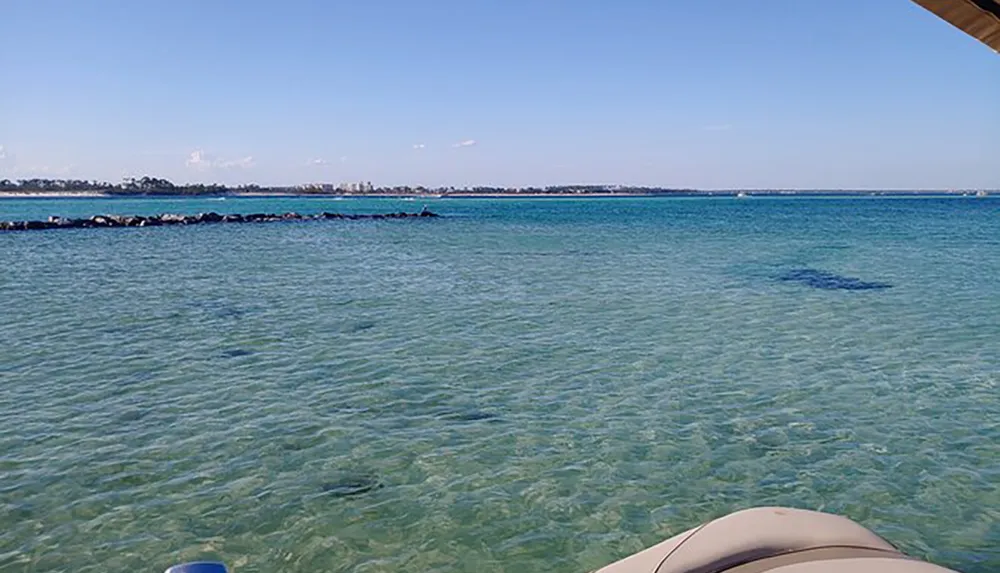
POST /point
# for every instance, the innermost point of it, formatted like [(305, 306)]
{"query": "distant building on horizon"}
[(359, 187)]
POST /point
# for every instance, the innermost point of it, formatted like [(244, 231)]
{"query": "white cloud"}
[(319, 162), (13, 167), (419, 146), (718, 127), (242, 163), (41, 170), (343, 158), (198, 160), (466, 143), (203, 161)]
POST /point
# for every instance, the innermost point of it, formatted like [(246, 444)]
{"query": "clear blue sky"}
[(721, 94)]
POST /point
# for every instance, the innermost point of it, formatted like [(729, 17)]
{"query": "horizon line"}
[(147, 183)]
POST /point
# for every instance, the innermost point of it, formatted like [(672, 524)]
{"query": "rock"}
[(468, 416), (362, 326), (56, 221), (826, 280), (348, 486), (212, 217), (236, 352), (168, 218)]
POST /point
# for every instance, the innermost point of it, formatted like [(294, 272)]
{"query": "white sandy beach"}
[(48, 194)]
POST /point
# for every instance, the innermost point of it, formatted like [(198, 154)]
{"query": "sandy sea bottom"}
[(521, 385)]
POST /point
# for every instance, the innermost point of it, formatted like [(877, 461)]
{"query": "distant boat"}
[(742, 195), (982, 193)]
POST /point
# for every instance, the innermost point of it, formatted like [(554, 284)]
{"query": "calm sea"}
[(522, 385)]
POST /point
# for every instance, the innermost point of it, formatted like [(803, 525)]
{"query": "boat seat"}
[(774, 540)]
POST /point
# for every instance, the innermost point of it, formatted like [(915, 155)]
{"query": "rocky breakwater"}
[(199, 219)]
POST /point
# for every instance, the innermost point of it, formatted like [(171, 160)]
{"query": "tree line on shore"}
[(157, 186), (131, 186)]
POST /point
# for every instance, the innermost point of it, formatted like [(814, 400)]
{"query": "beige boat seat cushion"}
[(775, 540)]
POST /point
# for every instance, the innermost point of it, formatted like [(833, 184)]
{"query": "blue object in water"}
[(199, 567)]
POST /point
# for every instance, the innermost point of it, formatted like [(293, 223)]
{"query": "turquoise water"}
[(523, 385)]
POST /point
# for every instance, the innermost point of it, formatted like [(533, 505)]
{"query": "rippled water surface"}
[(522, 385)]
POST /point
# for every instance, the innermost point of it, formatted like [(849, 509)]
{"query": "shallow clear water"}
[(523, 385)]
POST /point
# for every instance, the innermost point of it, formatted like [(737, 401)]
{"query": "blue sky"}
[(722, 94)]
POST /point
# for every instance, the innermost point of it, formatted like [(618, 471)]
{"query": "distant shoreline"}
[(473, 195), (50, 194)]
